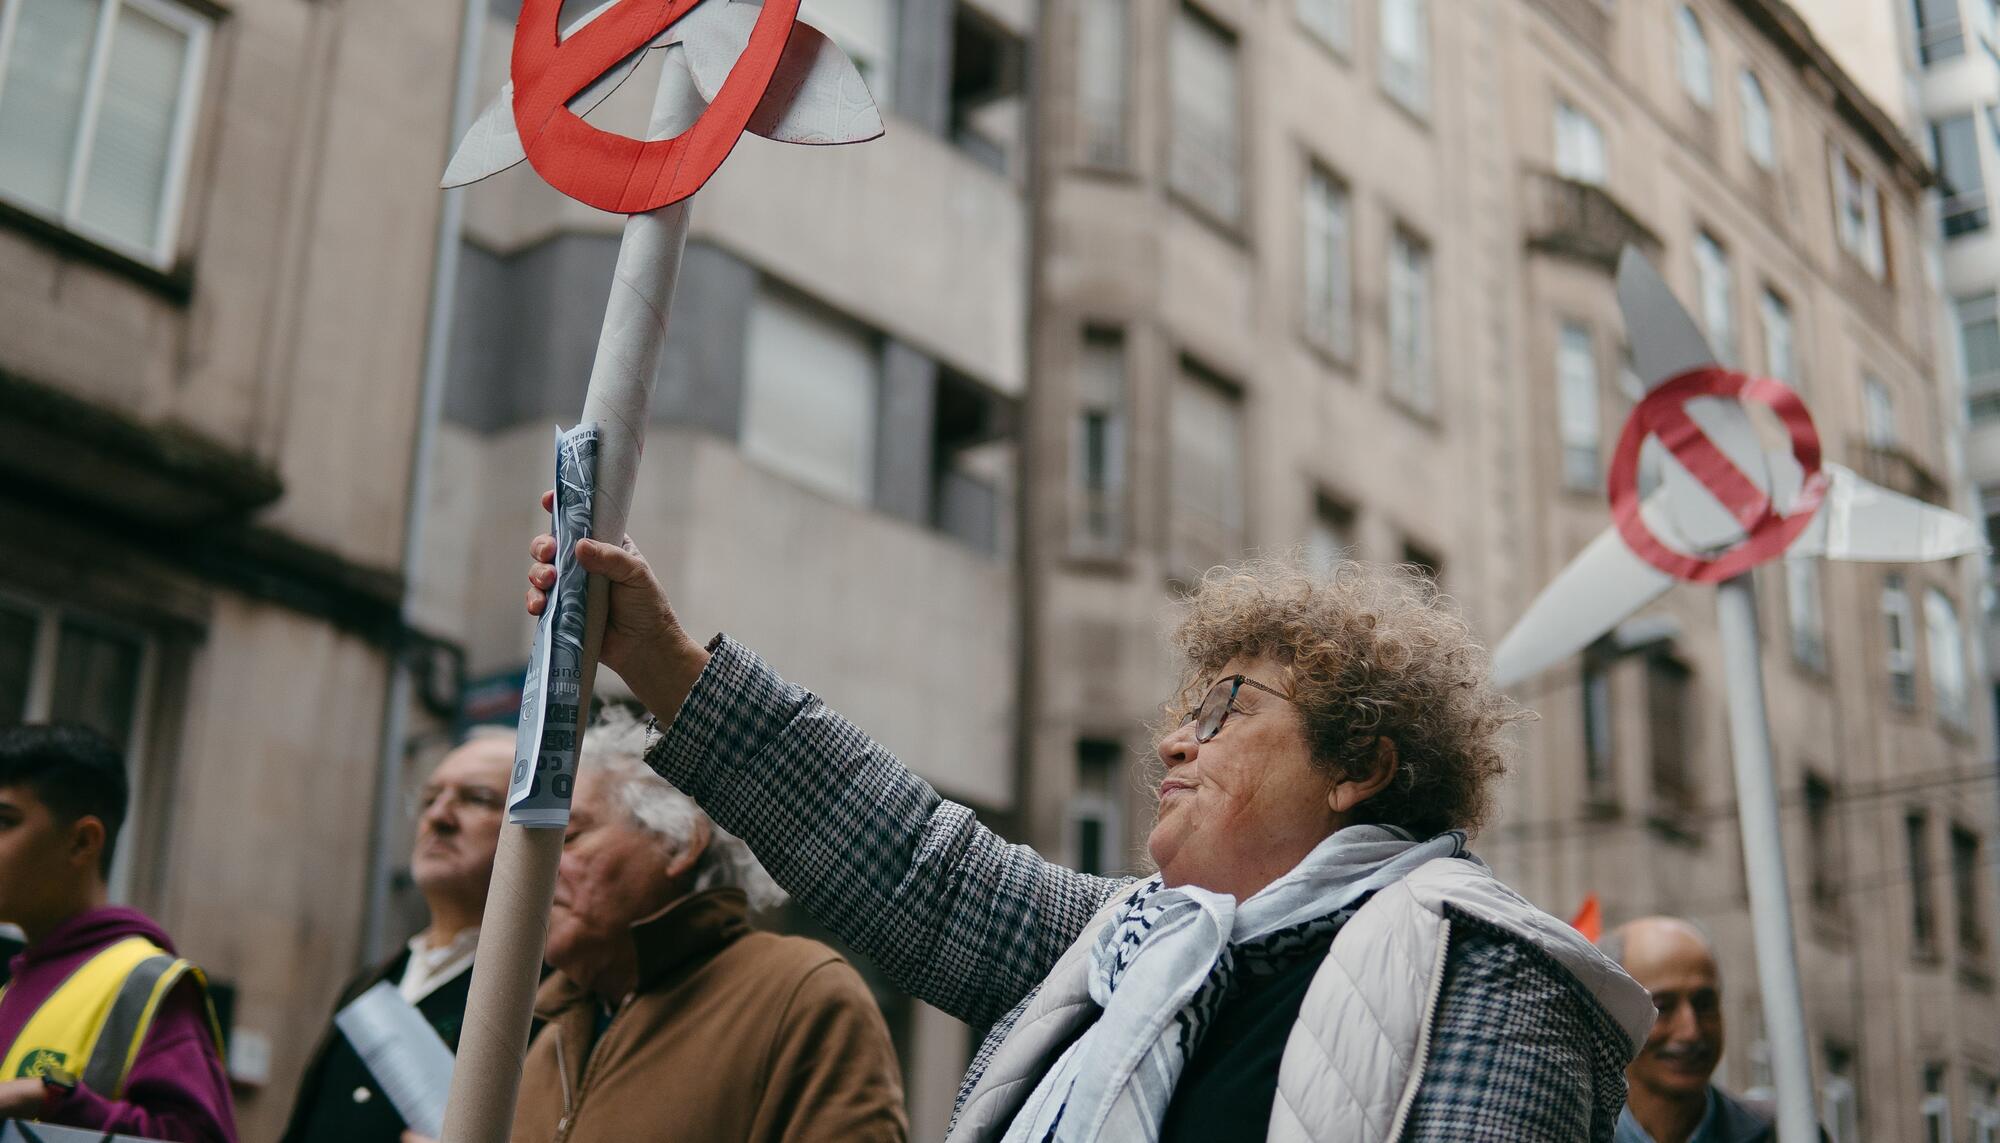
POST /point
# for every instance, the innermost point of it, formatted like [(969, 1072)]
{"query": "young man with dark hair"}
[(101, 1025)]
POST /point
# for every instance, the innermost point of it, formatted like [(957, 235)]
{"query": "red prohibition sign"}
[(611, 171), (1664, 414)]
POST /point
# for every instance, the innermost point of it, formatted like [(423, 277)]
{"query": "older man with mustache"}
[(1670, 1097)]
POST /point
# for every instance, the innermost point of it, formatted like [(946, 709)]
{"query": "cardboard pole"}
[(1764, 862), (487, 1075)]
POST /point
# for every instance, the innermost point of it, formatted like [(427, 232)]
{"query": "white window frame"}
[(1326, 269), (1578, 424), (180, 144), (1781, 337), (1900, 656), (1878, 412), (1859, 235), (1580, 152), (1760, 134), (855, 483), (1213, 182), (1694, 61), (1715, 285), (1101, 807), (1805, 609), (1412, 323), (1408, 81), (1104, 131), (40, 703), (1084, 540), (1944, 636)]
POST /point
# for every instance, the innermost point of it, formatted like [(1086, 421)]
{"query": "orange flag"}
[(1589, 919)]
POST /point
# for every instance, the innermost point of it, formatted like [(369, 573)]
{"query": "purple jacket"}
[(177, 1089)]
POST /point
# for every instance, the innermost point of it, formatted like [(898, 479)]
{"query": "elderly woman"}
[(1319, 957)]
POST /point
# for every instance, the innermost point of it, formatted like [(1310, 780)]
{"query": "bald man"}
[(1669, 1097)]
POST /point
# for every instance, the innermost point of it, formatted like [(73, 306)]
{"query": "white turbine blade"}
[(493, 143), (1666, 342), (816, 94), (1600, 587), (1867, 523)]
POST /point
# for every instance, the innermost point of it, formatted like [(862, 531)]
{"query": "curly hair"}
[(1369, 652)]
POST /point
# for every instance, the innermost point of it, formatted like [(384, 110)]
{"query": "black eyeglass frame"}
[(1201, 715)]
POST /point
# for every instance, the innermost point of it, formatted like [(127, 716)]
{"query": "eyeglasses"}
[(485, 799), (1220, 700)]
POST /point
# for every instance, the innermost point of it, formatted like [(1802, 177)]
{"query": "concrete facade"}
[(1522, 231), (182, 433)]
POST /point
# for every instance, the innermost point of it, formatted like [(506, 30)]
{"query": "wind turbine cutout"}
[(1724, 505), (726, 68)]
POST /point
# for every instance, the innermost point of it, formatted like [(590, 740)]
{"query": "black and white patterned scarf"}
[(1162, 967)]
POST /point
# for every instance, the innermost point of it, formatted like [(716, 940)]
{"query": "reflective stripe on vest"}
[(93, 1023)]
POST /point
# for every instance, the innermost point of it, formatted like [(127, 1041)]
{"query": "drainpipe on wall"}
[(437, 345)]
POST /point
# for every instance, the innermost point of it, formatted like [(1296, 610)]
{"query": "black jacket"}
[(339, 1102)]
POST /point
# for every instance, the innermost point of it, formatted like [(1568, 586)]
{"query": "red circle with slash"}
[(1664, 414), (616, 172)]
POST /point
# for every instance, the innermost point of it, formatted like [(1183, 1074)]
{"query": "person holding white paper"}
[(459, 809), (1319, 956)]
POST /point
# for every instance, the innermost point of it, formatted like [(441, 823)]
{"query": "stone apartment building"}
[(215, 225), (947, 416), (1336, 274)]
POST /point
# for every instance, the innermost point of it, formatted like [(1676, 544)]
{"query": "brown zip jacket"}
[(733, 1036)]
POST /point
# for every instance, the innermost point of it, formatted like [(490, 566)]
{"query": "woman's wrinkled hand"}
[(643, 638)]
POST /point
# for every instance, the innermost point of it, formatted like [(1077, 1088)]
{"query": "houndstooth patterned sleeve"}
[(952, 913), (1519, 1051)]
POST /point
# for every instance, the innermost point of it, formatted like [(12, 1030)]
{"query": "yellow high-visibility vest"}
[(91, 1026)]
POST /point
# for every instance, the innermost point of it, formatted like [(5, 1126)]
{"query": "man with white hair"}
[(667, 1016)]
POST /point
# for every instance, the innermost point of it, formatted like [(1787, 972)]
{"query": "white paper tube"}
[(500, 1006), (1764, 862)]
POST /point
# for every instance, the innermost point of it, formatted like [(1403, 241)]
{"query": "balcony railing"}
[(1898, 470), (1578, 220), (1964, 214)]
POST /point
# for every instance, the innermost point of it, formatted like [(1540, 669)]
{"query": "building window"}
[(98, 100), (1206, 157), (1329, 269), (1600, 776), (988, 104), (1806, 612), (1667, 686), (58, 665), (1718, 295), (1985, 1108), (1965, 891), (1823, 844), (1096, 836), (1758, 139), (1840, 1105), (866, 31), (1923, 910), (1104, 64), (1940, 34), (1576, 406), (1411, 378), (1330, 21), (1098, 445), (1979, 339), (1878, 412), (1208, 481), (810, 385), (1961, 183), (1936, 1107), (1859, 218), (1780, 347), (1697, 75), (1579, 146), (1331, 537), (1406, 62), (1946, 641), (1901, 657)]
